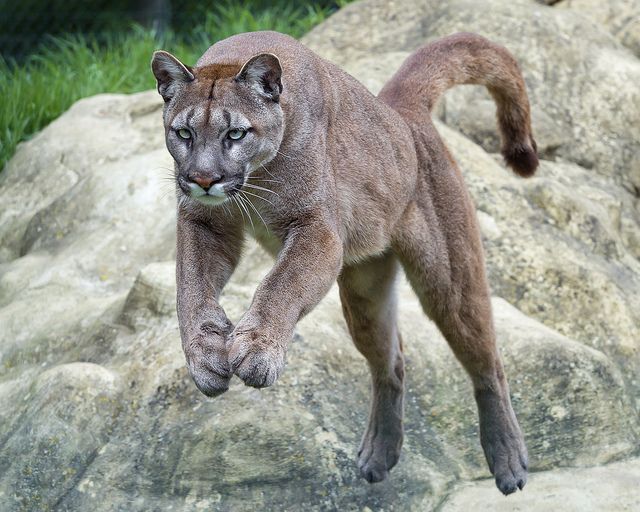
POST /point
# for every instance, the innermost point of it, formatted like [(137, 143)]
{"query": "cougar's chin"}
[(213, 196), (210, 200)]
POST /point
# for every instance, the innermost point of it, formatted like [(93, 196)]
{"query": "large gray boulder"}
[(564, 246), (97, 411), (611, 488), (620, 17), (582, 82)]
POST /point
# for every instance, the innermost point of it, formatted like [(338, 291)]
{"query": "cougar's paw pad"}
[(210, 376), (510, 482), (373, 473), (502, 440), (258, 362), (511, 476), (508, 463), (377, 456)]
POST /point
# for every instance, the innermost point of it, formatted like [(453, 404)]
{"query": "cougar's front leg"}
[(306, 267), (207, 252)]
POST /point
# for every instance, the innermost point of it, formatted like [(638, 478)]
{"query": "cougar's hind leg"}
[(446, 269), (369, 306)]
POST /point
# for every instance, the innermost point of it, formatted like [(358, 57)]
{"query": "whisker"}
[(259, 197), (166, 172), (164, 194), (242, 201), (258, 178), (260, 188), (267, 171), (240, 207), (256, 210), (263, 179), (226, 209), (166, 189), (283, 154), (236, 202)]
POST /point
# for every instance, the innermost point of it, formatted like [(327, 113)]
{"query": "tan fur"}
[(356, 186)]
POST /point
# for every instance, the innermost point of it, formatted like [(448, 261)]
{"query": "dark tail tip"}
[(522, 158)]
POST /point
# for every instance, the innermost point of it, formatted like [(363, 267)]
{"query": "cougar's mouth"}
[(215, 194), (211, 196)]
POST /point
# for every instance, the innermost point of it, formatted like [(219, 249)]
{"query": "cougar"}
[(338, 184)]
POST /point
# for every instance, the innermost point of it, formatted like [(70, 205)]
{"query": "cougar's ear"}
[(263, 72), (169, 73)]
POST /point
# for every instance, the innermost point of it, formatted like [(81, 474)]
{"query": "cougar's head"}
[(221, 122)]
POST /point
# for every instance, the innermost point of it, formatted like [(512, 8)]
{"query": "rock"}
[(62, 424), (474, 115), (620, 17), (153, 294), (174, 447), (595, 230), (76, 246), (97, 411), (559, 246), (578, 75), (561, 429), (606, 489)]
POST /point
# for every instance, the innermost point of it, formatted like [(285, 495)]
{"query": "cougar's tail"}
[(468, 59)]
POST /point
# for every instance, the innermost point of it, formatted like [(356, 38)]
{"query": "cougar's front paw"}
[(256, 357), (207, 360)]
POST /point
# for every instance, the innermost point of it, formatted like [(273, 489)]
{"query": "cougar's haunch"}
[(337, 184)]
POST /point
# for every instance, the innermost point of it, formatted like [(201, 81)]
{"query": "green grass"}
[(67, 69)]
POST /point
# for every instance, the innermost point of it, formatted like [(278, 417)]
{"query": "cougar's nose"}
[(206, 182)]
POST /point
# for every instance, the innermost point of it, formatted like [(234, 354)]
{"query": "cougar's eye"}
[(236, 134), (183, 133)]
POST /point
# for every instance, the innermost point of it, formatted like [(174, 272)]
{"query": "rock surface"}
[(612, 488), (620, 17), (97, 411), (577, 73)]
